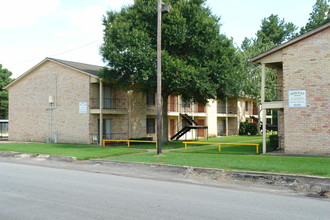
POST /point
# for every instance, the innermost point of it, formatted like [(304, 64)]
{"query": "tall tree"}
[(319, 16), (4, 80), (273, 31), (197, 61)]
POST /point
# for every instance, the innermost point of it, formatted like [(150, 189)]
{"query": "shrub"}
[(273, 142), (247, 128)]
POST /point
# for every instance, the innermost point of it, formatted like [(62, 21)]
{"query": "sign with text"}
[(83, 107), (297, 98)]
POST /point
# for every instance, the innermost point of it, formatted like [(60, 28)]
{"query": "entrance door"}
[(172, 103), (201, 132), (172, 127), (201, 108), (107, 128)]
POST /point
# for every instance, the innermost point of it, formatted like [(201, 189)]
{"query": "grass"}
[(319, 166), (79, 151), (207, 156)]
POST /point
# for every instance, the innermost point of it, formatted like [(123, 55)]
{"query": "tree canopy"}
[(273, 31), (4, 80), (319, 16), (197, 61)]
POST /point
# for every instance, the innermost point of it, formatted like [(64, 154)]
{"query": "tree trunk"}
[(165, 120)]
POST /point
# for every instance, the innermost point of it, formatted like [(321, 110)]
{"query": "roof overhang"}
[(40, 64), (260, 57)]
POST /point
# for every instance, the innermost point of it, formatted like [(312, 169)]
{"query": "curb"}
[(312, 186)]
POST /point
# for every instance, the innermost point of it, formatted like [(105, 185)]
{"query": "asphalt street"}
[(33, 192)]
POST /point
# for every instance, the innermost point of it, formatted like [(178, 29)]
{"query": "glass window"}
[(151, 126), (151, 98)]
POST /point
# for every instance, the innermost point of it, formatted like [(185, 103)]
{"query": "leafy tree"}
[(4, 80), (197, 61), (275, 30), (319, 16)]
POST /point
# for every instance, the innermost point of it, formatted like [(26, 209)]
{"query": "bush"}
[(247, 128), (273, 142)]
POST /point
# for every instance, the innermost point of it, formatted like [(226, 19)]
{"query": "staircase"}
[(192, 125)]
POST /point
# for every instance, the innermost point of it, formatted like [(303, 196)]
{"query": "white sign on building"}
[(297, 98), (83, 107)]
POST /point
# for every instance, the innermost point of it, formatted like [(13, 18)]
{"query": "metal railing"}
[(186, 108), (219, 145), (231, 110), (109, 103)]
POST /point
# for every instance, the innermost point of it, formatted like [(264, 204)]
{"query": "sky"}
[(72, 30)]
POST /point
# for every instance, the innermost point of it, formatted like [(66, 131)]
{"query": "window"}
[(151, 98), (246, 106), (151, 126), (186, 103)]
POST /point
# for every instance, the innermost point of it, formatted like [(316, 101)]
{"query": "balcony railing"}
[(109, 103), (231, 110), (186, 108)]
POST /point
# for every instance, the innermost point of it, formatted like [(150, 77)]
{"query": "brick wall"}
[(28, 103), (306, 66)]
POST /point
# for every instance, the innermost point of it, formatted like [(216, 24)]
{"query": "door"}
[(201, 132), (107, 128), (107, 97), (172, 104), (201, 108), (172, 127)]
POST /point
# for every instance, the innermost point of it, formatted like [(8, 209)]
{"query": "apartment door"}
[(172, 127), (201, 108), (172, 103), (107, 128), (201, 132), (107, 97)]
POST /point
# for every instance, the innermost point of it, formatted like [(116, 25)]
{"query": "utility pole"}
[(160, 9), (159, 79)]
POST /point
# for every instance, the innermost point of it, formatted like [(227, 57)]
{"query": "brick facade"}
[(302, 64)]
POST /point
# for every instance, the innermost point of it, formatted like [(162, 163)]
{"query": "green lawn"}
[(319, 166), (81, 152), (231, 139)]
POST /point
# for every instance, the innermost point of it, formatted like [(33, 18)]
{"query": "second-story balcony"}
[(186, 108), (228, 111), (273, 97), (109, 106)]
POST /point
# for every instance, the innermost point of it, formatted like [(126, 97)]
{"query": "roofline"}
[(39, 64), (290, 42)]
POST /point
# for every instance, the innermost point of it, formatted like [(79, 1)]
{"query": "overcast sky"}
[(31, 30)]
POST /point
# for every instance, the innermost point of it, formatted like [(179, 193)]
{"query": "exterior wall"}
[(306, 66), (28, 104), (211, 119)]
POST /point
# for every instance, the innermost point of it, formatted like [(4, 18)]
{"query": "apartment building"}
[(303, 88), (66, 101)]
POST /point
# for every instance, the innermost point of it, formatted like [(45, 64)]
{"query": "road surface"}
[(33, 192)]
